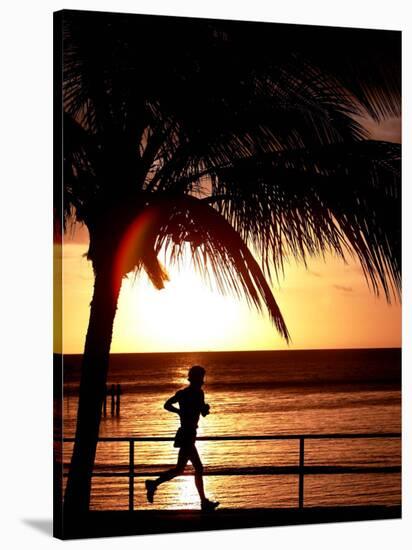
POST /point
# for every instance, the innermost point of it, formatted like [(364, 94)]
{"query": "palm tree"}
[(221, 138)]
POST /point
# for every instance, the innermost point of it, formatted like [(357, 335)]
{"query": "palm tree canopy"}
[(233, 135)]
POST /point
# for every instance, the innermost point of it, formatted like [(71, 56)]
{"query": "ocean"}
[(252, 393)]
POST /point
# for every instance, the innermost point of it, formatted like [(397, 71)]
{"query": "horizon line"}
[(240, 351)]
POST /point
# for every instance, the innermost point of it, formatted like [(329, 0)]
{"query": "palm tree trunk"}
[(92, 390)]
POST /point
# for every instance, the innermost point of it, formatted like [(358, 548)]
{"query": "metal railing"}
[(299, 470)]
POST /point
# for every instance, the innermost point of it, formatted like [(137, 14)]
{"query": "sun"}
[(187, 314)]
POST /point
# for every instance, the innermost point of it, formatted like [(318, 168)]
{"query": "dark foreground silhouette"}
[(191, 401), (108, 524)]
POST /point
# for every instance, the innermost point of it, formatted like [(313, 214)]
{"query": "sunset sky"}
[(327, 305)]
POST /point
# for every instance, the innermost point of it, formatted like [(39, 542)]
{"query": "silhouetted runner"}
[(192, 404)]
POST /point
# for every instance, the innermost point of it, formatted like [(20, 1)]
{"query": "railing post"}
[(131, 475), (301, 469)]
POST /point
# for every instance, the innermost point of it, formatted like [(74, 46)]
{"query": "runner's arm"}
[(204, 408), (169, 404)]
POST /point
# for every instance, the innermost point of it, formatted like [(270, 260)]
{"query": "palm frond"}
[(340, 198), (218, 251)]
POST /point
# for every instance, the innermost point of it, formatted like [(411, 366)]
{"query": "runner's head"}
[(196, 375)]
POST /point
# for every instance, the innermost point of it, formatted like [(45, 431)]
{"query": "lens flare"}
[(134, 243)]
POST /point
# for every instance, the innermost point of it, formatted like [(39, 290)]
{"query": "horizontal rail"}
[(300, 470), (280, 470), (389, 435)]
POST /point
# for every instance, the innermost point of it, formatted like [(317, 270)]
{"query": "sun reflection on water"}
[(187, 496)]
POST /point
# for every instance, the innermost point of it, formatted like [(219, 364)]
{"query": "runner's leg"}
[(182, 460), (198, 466)]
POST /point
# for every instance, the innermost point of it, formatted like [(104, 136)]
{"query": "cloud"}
[(344, 288), (314, 273)]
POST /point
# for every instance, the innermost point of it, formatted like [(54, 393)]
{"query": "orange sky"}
[(326, 306)]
